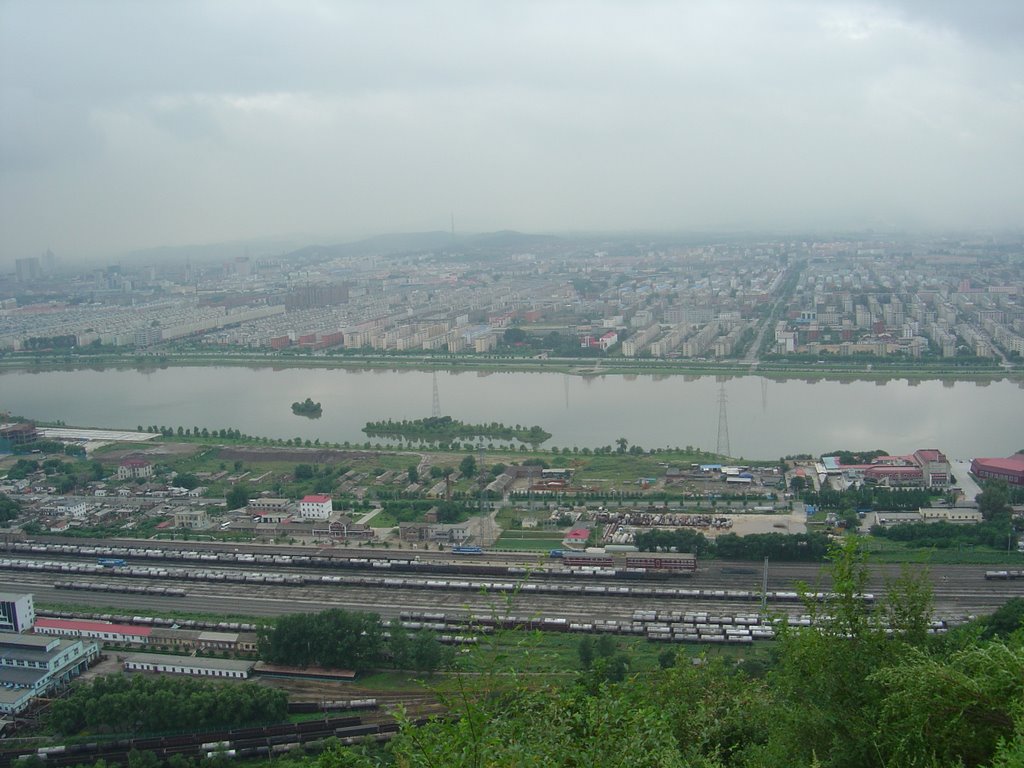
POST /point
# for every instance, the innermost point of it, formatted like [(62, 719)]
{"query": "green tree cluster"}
[(9, 508), (335, 639), (339, 639), (142, 704), (789, 547)]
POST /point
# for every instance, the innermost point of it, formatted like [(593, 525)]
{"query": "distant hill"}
[(382, 245), (293, 247), (212, 252)]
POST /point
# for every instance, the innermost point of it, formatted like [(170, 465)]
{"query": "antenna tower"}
[(723, 423), (435, 411)]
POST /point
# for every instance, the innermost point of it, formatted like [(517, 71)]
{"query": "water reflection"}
[(649, 410)]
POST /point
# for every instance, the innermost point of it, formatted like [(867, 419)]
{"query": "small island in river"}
[(308, 408)]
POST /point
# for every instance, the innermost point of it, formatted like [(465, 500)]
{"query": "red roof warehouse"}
[(1010, 469)]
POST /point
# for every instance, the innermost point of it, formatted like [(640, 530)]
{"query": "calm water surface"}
[(766, 419)]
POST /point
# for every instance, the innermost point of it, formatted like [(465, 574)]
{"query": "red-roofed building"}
[(100, 630), (134, 468), (1010, 469), (577, 536), (934, 467), (315, 507)]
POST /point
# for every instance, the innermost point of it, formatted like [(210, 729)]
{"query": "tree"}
[(9, 508), (585, 650), (621, 443), (187, 480), (414, 474), (1007, 619), (238, 496), (468, 466), (994, 499), (514, 336)]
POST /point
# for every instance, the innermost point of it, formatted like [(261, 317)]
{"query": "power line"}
[(723, 423)]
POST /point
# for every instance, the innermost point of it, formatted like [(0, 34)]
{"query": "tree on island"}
[(307, 408)]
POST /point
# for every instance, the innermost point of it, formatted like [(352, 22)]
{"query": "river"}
[(766, 419)]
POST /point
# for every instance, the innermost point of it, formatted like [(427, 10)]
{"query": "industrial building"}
[(34, 665), (195, 666), (1010, 469), (17, 612)]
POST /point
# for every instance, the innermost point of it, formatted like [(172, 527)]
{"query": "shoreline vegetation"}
[(308, 408), (445, 429), (839, 369)]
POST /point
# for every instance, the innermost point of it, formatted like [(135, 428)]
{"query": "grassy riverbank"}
[(831, 370)]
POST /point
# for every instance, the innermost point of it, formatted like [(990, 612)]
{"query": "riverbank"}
[(831, 370)]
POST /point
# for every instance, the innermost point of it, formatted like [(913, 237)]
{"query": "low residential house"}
[(76, 509), (191, 518)]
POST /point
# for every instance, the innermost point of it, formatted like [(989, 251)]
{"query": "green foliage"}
[(22, 468), (544, 728), (307, 408), (942, 711), (421, 652), (141, 704), (1007, 619), (994, 499), (445, 429), (238, 496), (335, 639), (945, 535), (805, 547), (187, 480), (9, 508), (848, 457), (869, 497), (717, 712)]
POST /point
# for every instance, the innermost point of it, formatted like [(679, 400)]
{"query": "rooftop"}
[(1015, 462), (196, 662), (76, 625)]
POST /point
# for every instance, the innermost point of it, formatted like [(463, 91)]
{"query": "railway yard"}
[(464, 598), (452, 594)]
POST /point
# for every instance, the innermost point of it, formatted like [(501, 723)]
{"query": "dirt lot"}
[(151, 451), (742, 524)]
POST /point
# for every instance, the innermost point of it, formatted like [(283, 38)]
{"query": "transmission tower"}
[(723, 423), (764, 394), (479, 471), (436, 410)]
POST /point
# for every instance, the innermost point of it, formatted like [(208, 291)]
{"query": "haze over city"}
[(127, 126)]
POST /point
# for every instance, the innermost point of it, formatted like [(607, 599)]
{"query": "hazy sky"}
[(133, 124)]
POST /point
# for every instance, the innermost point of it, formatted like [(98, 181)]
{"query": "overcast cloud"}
[(127, 124)]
